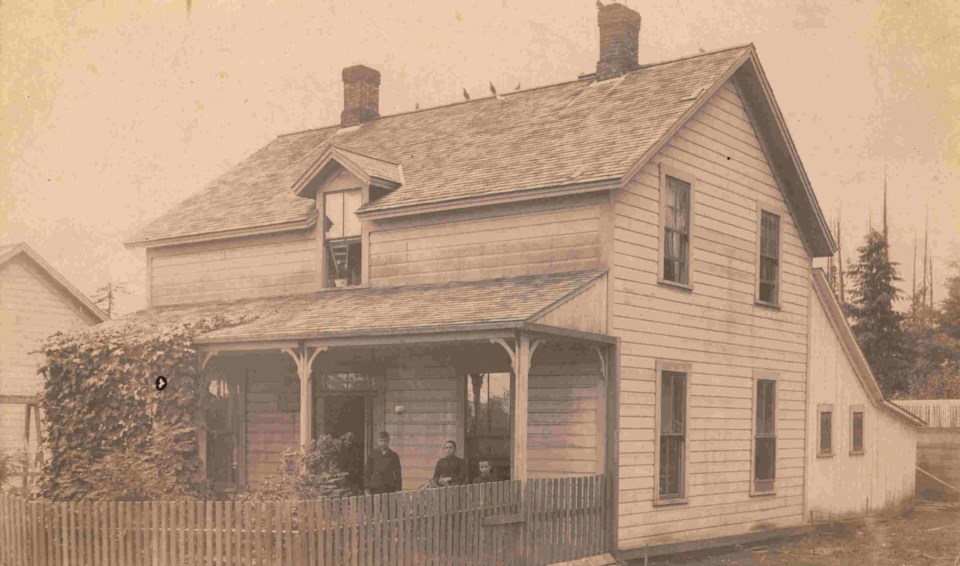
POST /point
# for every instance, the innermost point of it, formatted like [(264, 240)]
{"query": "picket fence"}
[(551, 520)]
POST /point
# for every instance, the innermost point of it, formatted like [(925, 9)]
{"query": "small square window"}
[(856, 422), (825, 431)]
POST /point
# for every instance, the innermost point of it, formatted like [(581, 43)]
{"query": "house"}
[(35, 302), (938, 446), (611, 275)]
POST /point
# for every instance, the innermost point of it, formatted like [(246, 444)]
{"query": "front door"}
[(343, 413)]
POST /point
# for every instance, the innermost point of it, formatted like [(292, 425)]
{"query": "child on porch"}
[(486, 473), (383, 468)]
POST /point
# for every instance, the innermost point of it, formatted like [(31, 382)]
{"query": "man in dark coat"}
[(383, 468), (450, 470)]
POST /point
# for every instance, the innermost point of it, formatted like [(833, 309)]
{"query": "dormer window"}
[(342, 240)]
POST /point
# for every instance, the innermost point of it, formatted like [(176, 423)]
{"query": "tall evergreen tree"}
[(949, 313), (877, 325)]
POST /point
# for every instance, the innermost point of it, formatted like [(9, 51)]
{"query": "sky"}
[(112, 112)]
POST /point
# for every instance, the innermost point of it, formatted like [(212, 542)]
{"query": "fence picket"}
[(89, 532), (560, 520)]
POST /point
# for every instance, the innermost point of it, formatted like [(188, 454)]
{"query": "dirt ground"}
[(928, 534)]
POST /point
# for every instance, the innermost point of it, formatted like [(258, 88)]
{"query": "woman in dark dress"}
[(450, 470)]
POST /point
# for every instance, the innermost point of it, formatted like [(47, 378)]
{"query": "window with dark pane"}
[(344, 252), (223, 429), (676, 231), (857, 431), (673, 386), (826, 432), (765, 441), (769, 257)]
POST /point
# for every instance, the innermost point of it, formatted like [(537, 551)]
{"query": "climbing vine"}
[(110, 433)]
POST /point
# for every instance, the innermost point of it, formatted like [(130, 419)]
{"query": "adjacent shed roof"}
[(569, 134), (379, 310), (849, 343), (938, 413)]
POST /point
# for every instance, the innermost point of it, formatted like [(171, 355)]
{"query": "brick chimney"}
[(619, 33), (361, 95)]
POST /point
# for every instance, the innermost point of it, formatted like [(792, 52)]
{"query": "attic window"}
[(343, 246)]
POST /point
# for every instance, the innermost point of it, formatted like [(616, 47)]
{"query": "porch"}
[(516, 371), (533, 404)]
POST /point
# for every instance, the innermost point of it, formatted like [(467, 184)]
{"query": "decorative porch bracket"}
[(303, 357), (521, 356)]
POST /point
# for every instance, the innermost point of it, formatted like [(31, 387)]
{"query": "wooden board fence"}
[(554, 520)]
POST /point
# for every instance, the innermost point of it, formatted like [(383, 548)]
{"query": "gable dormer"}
[(341, 181)]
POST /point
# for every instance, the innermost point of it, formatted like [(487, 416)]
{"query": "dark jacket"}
[(451, 467), (484, 479), (382, 474)]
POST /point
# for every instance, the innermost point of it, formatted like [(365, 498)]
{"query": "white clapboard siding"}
[(716, 328), (32, 307), (428, 390), (845, 484), (563, 443), (252, 267), (272, 413), (518, 241)]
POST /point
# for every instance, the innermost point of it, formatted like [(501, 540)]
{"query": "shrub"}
[(322, 470)]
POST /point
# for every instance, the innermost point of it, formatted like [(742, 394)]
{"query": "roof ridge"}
[(339, 148), (585, 78), (696, 56)]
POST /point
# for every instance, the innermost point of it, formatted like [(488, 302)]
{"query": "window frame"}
[(854, 451), (360, 239), (778, 211), (681, 499), (691, 179), (758, 376), (821, 409)]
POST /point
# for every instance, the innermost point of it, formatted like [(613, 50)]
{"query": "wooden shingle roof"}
[(569, 133), (377, 310)]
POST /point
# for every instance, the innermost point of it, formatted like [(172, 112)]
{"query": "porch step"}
[(605, 559)]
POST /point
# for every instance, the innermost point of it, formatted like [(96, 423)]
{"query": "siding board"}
[(717, 328)]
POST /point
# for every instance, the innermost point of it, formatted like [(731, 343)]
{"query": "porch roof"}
[(384, 311)]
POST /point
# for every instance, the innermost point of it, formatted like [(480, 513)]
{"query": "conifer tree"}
[(877, 325)]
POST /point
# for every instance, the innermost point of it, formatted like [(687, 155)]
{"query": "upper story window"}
[(343, 247), (675, 215), (769, 269)]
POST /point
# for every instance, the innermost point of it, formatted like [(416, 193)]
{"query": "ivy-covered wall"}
[(109, 433)]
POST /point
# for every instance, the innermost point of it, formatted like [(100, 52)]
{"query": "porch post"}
[(520, 408), (306, 406), (303, 357)]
